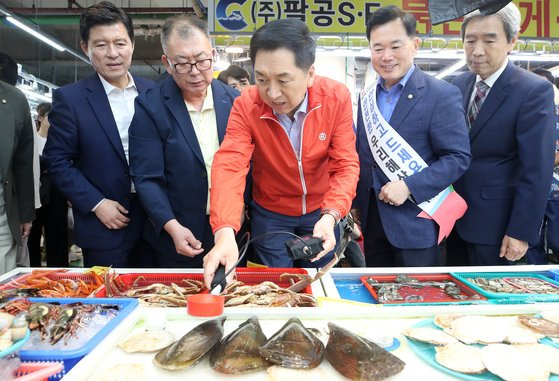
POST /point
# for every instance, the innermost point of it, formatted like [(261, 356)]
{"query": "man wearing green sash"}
[(412, 141)]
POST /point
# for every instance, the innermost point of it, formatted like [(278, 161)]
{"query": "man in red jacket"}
[(296, 129)]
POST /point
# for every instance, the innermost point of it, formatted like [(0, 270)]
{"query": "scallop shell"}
[(430, 335), (151, 341)]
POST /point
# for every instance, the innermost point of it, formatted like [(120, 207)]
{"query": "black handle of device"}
[(219, 278)]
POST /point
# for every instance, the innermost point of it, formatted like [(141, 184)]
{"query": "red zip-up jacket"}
[(324, 177)]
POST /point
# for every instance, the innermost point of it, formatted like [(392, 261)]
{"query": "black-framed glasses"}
[(186, 67)]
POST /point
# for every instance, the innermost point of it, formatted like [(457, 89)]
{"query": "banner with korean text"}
[(398, 160), (540, 18)]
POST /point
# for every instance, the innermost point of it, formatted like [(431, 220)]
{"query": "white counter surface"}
[(365, 319)]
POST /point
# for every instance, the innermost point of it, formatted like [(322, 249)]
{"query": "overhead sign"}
[(540, 18)]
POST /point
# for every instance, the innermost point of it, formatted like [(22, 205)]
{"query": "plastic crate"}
[(37, 371), (22, 280), (502, 296), (249, 276), (430, 294), (69, 358)]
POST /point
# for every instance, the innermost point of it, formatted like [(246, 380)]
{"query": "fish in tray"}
[(293, 346), (187, 351), (239, 351), (359, 359)]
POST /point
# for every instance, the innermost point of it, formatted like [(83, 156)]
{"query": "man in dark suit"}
[(427, 114), (176, 130), (512, 124), (87, 146), (17, 205)]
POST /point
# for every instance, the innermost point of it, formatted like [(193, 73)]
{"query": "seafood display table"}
[(367, 320)]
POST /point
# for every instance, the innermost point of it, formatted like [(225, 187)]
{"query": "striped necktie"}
[(475, 106)]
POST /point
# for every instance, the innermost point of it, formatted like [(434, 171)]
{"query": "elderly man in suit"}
[(17, 205), (425, 113), (511, 117), (177, 128), (87, 146)]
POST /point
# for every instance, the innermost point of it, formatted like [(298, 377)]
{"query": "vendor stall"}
[(349, 299)]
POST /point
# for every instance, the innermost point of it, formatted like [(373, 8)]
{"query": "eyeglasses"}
[(186, 67)]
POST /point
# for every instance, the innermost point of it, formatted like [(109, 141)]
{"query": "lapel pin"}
[(410, 96), (4, 101)]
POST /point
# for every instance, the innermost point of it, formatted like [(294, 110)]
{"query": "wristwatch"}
[(334, 213)]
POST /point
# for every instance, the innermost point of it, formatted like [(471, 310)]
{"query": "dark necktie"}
[(481, 93)]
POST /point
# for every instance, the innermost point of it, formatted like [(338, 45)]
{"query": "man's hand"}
[(112, 214), (185, 242), (25, 229), (394, 193), (224, 252), (512, 248), (324, 229)]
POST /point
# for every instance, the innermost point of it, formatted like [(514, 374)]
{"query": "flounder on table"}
[(358, 358), (187, 351), (238, 352), (293, 346)]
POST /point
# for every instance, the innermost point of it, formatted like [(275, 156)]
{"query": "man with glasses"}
[(412, 142), (176, 130)]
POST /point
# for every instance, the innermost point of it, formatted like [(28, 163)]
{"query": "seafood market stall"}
[(424, 318)]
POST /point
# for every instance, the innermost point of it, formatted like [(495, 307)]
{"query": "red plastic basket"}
[(249, 276), (22, 280), (429, 294), (37, 371)]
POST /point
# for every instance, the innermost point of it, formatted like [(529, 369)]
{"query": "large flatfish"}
[(358, 358), (187, 351), (293, 346), (238, 352)]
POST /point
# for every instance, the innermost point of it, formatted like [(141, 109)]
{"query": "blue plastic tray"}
[(427, 353), (555, 274), (71, 357), (509, 296)]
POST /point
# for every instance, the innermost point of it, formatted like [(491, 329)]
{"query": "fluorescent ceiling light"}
[(34, 33), (234, 50), (451, 69)]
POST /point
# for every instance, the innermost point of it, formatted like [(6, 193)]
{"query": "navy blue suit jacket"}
[(430, 117), (513, 147), (167, 165), (86, 160)]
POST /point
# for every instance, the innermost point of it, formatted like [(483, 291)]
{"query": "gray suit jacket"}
[(16, 158)]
